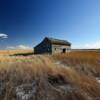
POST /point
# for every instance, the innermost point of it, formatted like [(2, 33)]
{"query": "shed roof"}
[(58, 41)]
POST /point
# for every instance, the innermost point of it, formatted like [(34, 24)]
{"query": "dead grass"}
[(87, 62), (11, 52), (80, 70)]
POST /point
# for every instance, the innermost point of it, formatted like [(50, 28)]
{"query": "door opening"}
[(64, 50)]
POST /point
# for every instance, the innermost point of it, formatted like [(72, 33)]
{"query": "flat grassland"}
[(78, 72), (11, 52)]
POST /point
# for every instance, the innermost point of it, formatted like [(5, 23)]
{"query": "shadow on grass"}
[(22, 54)]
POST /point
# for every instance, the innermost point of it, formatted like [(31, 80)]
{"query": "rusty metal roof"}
[(58, 41)]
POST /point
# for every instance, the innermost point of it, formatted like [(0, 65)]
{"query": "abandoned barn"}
[(51, 46)]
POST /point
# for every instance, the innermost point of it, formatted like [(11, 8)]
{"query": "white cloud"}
[(2, 35), (95, 45), (19, 47)]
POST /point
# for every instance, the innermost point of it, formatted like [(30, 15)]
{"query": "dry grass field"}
[(11, 52), (70, 76)]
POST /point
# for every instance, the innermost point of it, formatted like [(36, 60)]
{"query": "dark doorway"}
[(64, 50)]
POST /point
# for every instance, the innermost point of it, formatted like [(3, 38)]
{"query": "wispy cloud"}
[(19, 47), (2, 35), (95, 45)]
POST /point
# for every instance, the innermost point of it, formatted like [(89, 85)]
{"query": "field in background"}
[(11, 52), (79, 70)]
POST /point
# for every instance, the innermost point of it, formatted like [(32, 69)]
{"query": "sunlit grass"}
[(10, 52), (80, 69)]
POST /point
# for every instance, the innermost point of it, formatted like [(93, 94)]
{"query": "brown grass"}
[(11, 52), (77, 68), (87, 62)]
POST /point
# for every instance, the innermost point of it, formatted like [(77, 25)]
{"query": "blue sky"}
[(24, 23)]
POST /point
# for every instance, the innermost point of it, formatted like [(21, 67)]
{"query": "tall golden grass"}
[(77, 68), (87, 62)]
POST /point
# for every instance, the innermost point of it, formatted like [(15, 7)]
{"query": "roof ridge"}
[(58, 41), (56, 38)]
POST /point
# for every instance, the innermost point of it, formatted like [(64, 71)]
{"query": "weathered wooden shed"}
[(51, 46)]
